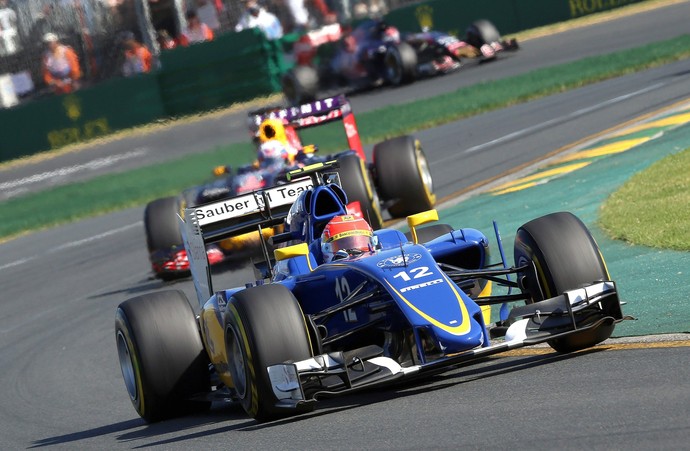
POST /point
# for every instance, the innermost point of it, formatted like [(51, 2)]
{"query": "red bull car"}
[(391, 307), (397, 181), (376, 53)]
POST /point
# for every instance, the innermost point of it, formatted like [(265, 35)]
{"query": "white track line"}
[(549, 123), (69, 170), (72, 244)]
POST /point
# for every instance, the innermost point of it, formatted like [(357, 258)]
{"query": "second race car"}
[(397, 180)]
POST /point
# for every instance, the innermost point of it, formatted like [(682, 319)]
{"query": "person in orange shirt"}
[(138, 59), (196, 30), (60, 65)]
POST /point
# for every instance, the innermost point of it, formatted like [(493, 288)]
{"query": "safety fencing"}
[(234, 67)]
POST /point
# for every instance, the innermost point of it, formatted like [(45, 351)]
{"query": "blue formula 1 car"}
[(312, 327)]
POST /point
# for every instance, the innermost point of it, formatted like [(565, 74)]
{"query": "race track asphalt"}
[(62, 388)]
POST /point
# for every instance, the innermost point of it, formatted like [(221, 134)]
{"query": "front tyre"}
[(563, 256), (264, 326), (482, 32), (162, 359), (403, 176), (400, 64)]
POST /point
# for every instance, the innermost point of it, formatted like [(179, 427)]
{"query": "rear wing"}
[(216, 221), (315, 113)]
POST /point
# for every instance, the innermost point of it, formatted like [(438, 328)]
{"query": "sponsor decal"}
[(584, 7), (227, 209), (287, 194), (250, 203), (421, 285), (399, 260), (221, 299), (72, 106), (425, 17)]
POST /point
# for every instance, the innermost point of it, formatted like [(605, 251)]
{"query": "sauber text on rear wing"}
[(230, 217)]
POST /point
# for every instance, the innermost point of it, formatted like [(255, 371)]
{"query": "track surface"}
[(61, 384)]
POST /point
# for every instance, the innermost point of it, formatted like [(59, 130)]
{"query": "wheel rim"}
[(236, 360), (392, 68), (423, 166), (127, 366)]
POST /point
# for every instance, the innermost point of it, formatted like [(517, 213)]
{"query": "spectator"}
[(9, 36), (165, 41), (138, 58), (60, 65), (208, 14), (196, 30), (255, 16)]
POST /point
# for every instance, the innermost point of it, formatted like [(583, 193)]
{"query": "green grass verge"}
[(117, 191), (653, 207)]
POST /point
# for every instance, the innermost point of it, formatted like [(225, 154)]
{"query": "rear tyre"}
[(264, 326), (300, 85), (564, 256), (400, 64), (355, 181), (161, 224), (403, 176), (482, 32), (162, 359)]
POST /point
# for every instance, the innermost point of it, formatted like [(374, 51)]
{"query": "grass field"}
[(653, 207), (117, 191)]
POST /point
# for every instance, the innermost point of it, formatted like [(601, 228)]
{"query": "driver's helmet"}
[(391, 34), (272, 150), (274, 142), (346, 235)]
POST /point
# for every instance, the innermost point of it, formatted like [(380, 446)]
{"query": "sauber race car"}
[(343, 308), (397, 180), (375, 53)]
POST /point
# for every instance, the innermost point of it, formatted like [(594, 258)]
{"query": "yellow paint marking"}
[(515, 188), (678, 119), (541, 175), (603, 347), (608, 149)]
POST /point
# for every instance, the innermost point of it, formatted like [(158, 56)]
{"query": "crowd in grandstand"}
[(56, 46)]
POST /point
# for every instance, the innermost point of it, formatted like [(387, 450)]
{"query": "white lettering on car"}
[(421, 285)]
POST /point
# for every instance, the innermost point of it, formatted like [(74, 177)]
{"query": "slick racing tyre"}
[(162, 358), (428, 233), (161, 224), (355, 181), (300, 85), (403, 176), (482, 32), (400, 64), (564, 256), (264, 326)]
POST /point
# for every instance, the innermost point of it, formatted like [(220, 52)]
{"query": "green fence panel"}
[(57, 121), (232, 68)]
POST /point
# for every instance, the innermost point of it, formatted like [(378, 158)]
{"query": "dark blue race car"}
[(319, 323)]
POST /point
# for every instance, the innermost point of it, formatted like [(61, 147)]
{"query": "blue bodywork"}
[(409, 295)]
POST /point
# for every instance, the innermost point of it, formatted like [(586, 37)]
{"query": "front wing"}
[(582, 311)]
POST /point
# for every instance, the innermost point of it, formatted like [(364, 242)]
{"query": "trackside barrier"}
[(57, 121), (509, 16), (232, 68)]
